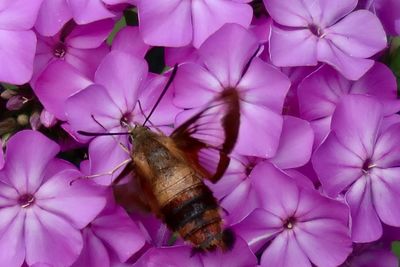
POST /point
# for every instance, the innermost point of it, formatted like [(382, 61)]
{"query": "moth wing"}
[(208, 134), (130, 191)]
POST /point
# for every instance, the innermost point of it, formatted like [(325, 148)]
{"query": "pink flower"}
[(41, 212), (180, 22), (296, 224), (224, 64), (364, 256), (324, 31), (320, 92), (82, 47), (18, 42), (388, 11), (111, 238), (128, 40), (240, 181), (120, 81), (360, 159), (54, 14), (239, 256)]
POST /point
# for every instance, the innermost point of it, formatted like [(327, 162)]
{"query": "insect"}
[(169, 170)]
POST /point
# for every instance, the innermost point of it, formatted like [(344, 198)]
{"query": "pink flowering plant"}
[(314, 173)]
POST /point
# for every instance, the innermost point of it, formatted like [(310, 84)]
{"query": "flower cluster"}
[(314, 176)]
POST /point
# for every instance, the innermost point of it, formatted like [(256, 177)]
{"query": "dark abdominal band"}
[(189, 207)]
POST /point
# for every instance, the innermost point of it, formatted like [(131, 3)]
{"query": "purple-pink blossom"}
[(304, 34), (359, 159), (18, 41), (40, 210)]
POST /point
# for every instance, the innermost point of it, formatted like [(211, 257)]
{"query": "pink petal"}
[(91, 35), (210, 15), (174, 55), (315, 103), (226, 53), (12, 249), (288, 13), (53, 14), (329, 237), (285, 251), (314, 206), (175, 16), (292, 48), (258, 228), (53, 89), (233, 202), (321, 129), (169, 256), (194, 86), (380, 82), (355, 123), (329, 12), (45, 232), (350, 67), (1, 155), (23, 168), (239, 256), (86, 11), (270, 183), (18, 48), (122, 75), (388, 12), (337, 166), (105, 155), (86, 61), (295, 144), (387, 148), (263, 85), (385, 192), (266, 123), (375, 257), (360, 34), (129, 40), (8, 194), (79, 202), (233, 176), (11, 18), (366, 226), (94, 252), (119, 232)]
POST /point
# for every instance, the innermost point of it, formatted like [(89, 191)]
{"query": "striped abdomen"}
[(194, 214)]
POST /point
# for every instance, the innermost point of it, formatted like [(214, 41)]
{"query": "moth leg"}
[(111, 172)]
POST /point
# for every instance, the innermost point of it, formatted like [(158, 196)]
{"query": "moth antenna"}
[(101, 134), (164, 91)]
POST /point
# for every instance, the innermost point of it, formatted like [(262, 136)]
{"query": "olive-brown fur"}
[(175, 190)]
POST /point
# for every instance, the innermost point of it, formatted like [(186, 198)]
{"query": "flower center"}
[(60, 50), (126, 119), (367, 166), (26, 200), (259, 8), (289, 223), (316, 30)]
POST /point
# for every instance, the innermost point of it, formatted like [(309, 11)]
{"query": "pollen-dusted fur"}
[(175, 191)]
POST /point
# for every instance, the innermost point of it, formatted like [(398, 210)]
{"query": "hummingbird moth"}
[(170, 170)]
